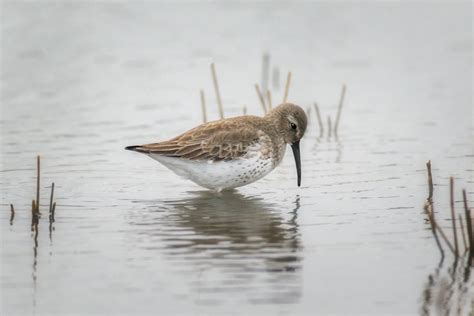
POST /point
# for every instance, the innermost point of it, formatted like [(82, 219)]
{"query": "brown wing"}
[(219, 140)]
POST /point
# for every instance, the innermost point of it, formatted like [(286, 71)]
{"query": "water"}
[(81, 81)]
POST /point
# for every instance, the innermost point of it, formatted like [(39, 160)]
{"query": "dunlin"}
[(232, 152)]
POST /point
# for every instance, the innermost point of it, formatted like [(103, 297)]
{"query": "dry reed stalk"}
[(429, 209), (265, 71), (51, 198), (320, 121), (430, 182), (12, 214), (269, 100), (276, 78), (453, 215), (216, 88), (329, 126), (203, 106), (431, 217), (468, 225), (260, 97), (463, 233), (38, 169), (53, 212), (339, 109), (287, 87), (439, 229), (33, 214), (244, 110)]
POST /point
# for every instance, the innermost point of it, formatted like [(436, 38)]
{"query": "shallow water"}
[(82, 81)]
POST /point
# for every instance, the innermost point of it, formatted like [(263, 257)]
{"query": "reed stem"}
[(320, 121), (38, 171), (216, 88), (339, 109), (453, 216), (469, 225), (287, 87), (276, 78), (463, 233), (51, 198), (431, 216), (265, 71), (203, 106), (269, 100), (12, 214), (430, 182)]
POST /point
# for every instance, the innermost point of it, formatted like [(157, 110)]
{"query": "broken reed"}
[(287, 87), (203, 106), (269, 100), (469, 225), (12, 214), (35, 205), (216, 88), (265, 71), (320, 121), (453, 216), (468, 245), (338, 116), (339, 109)]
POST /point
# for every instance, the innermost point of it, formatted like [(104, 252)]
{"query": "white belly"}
[(220, 175)]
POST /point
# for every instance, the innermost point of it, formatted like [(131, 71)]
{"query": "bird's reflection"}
[(252, 244)]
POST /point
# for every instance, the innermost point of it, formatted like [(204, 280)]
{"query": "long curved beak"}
[(296, 153)]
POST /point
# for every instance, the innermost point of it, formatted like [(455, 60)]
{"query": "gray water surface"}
[(80, 81)]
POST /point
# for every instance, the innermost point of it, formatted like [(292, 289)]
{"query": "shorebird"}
[(232, 152)]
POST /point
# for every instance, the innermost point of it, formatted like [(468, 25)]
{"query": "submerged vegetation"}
[(448, 288), (35, 205)]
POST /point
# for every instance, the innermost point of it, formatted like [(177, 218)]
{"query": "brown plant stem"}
[(287, 87), (339, 109), (320, 121), (453, 216), (203, 106)]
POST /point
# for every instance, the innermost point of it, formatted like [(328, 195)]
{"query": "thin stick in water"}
[(339, 109), (469, 227), (463, 233), (38, 168), (33, 214), (260, 97), (12, 214), (431, 216), (320, 120), (269, 100), (203, 106), (53, 212), (329, 127), (216, 88), (430, 182), (51, 198), (453, 216), (287, 87), (265, 71)]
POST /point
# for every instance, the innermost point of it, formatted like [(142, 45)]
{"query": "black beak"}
[(296, 152)]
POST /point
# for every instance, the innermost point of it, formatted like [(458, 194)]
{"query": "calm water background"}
[(82, 80)]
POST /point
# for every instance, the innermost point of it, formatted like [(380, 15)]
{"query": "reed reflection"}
[(252, 245)]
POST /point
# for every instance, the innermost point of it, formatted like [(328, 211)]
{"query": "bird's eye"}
[(293, 126)]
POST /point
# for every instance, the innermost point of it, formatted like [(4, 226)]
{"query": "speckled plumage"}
[(232, 152)]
